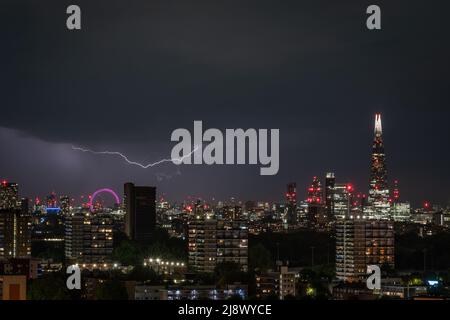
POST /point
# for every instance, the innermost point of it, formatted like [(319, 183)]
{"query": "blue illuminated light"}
[(53, 210)]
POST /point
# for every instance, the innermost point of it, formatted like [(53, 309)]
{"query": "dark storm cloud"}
[(136, 71)]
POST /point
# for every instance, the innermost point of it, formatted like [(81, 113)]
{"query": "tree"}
[(259, 258), (111, 290), (49, 287), (228, 272), (141, 273), (118, 238), (128, 254)]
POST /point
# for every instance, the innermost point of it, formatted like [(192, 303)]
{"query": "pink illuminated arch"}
[(107, 190)]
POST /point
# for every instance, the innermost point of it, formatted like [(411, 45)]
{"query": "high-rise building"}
[(140, 212), (74, 233), (9, 195), (291, 204), (330, 182), (89, 237), (400, 211), (202, 240), (379, 205), (315, 203), (15, 223), (232, 242), (15, 233), (342, 200), (213, 240), (51, 201), (64, 202), (362, 242)]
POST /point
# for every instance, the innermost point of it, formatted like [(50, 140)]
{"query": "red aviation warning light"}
[(314, 192), (349, 188)]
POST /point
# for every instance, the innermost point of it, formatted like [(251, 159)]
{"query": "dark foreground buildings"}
[(140, 212)]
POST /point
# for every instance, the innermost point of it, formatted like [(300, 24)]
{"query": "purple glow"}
[(116, 197)]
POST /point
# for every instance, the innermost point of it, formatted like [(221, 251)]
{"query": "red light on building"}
[(349, 188)]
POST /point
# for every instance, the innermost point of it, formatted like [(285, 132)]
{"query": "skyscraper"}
[(291, 204), (330, 182), (9, 195), (140, 212), (315, 203), (15, 233), (15, 223), (400, 211), (64, 202), (342, 200), (378, 200)]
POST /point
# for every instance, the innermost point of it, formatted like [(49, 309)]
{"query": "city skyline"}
[(319, 80), (374, 183)]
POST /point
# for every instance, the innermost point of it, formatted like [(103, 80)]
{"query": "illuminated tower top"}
[(378, 127)]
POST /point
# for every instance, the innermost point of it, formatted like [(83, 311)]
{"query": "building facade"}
[(15, 233), (140, 212), (89, 238), (213, 240), (362, 242)]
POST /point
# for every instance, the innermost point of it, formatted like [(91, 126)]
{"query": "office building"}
[(140, 212), (291, 204), (330, 182), (316, 213), (64, 203), (342, 200)]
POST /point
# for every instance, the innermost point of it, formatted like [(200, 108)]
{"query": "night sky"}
[(140, 69)]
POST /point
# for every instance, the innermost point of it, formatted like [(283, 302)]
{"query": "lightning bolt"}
[(143, 166)]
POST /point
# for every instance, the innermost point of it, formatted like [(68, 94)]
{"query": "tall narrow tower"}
[(291, 204), (378, 187)]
